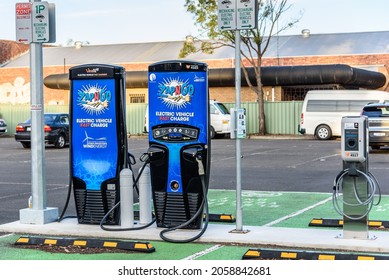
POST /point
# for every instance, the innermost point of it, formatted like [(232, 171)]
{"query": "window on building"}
[(137, 98)]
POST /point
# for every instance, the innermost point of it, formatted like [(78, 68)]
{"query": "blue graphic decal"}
[(94, 137), (178, 98)]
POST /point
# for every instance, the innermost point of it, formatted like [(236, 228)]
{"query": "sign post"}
[(35, 12), (237, 15)]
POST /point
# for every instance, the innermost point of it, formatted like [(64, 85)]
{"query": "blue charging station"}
[(98, 146), (179, 145)]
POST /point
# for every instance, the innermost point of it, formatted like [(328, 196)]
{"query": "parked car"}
[(378, 118), (322, 111), (3, 126), (56, 130)]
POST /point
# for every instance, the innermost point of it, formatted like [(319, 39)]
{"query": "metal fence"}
[(281, 117)]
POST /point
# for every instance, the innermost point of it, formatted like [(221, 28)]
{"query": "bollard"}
[(145, 200), (126, 199)]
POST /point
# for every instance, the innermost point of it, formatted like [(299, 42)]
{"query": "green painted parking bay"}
[(265, 214)]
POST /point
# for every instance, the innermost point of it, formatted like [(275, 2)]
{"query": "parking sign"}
[(237, 14), (40, 22), (23, 22)]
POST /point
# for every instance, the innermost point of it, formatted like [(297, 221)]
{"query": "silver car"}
[(378, 117), (3, 126)]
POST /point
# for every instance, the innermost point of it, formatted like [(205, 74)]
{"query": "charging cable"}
[(372, 188), (203, 206), (145, 158), (129, 161)]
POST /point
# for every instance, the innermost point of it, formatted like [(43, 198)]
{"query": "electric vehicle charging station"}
[(98, 146), (357, 183), (179, 144)]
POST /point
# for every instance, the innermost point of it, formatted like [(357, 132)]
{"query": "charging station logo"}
[(175, 93), (94, 99), (92, 143)]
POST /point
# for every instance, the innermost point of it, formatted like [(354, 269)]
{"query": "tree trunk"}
[(261, 101), (261, 113)]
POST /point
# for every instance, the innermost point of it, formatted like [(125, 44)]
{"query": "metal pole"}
[(38, 174), (39, 213), (239, 210)]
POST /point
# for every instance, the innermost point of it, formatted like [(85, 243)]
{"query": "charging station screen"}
[(179, 98), (94, 135)]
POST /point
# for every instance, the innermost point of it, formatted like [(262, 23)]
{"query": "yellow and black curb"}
[(144, 247), (339, 223), (261, 254), (218, 218)]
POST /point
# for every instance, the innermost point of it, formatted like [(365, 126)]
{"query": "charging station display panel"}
[(94, 137), (178, 137), (96, 131)]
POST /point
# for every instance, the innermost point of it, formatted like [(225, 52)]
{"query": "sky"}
[(102, 22)]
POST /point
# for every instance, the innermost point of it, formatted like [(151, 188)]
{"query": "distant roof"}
[(281, 46), (10, 50)]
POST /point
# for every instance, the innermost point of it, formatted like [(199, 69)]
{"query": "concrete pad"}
[(295, 238), (44, 216)]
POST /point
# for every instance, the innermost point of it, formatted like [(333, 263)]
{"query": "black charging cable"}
[(61, 217), (203, 206), (146, 161), (130, 161)]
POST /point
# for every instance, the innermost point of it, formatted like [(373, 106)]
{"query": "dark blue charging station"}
[(98, 146), (179, 141)]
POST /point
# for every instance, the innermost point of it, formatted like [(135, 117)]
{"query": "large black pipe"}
[(348, 77)]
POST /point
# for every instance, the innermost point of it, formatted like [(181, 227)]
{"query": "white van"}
[(220, 119), (323, 110)]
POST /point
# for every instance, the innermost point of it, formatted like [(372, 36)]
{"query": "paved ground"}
[(278, 220), (288, 185)]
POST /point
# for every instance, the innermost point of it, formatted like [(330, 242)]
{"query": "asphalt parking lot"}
[(294, 165), (286, 184)]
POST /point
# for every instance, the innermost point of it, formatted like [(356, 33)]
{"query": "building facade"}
[(365, 51)]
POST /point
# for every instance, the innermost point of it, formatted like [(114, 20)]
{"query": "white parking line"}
[(204, 252), (29, 192), (298, 212), (248, 155), (7, 235), (312, 160)]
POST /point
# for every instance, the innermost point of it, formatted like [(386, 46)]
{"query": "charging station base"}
[(39, 217)]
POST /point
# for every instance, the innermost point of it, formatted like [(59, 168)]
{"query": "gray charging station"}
[(355, 187)]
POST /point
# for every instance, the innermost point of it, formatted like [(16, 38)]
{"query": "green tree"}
[(255, 41)]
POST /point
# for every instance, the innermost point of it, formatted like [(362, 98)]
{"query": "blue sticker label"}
[(94, 136)]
